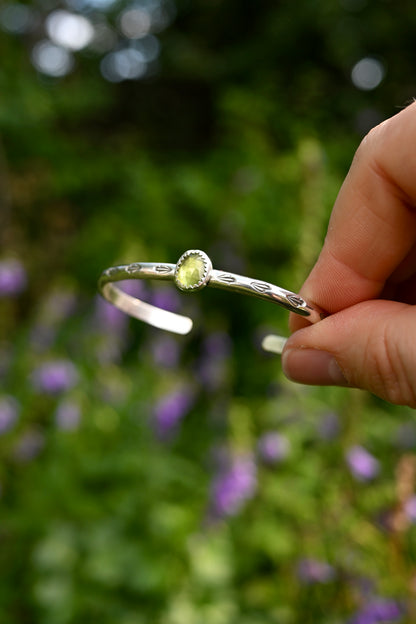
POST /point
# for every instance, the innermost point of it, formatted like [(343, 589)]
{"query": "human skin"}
[(365, 276)]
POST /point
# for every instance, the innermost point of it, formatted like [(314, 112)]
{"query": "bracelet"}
[(192, 272)]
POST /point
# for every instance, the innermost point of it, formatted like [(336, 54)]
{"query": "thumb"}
[(371, 345)]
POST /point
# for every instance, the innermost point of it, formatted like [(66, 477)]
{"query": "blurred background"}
[(148, 478)]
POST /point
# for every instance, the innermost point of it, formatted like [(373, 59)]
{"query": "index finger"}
[(373, 224)]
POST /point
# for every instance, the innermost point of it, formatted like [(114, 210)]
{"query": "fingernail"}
[(313, 367)]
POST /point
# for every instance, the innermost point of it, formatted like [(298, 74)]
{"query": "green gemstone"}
[(191, 272)]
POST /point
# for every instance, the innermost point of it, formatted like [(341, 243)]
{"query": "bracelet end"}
[(273, 344)]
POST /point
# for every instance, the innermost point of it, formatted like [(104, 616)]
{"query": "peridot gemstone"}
[(191, 272)]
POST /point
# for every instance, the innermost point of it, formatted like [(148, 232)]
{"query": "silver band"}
[(192, 272)]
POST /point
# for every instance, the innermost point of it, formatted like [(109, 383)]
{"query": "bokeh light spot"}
[(162, 15), (367, 74), (125, 64), (149, 47), (135, 23), (69, 30), (17, 18), (104, 38), (51, 59), (85, 5)]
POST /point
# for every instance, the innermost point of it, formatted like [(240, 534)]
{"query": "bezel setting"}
[(205, 273)]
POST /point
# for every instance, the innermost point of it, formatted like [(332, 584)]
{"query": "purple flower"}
[(329, 427), (133, 287), (13, 277), (218, 345), (213, 366), (213, 374), (29, 446), (109, 317), (165, 350), (233, 486), (170, 410), (378, 610), (68, 415), (55, 376), (57, 306), (9, 411), (273, 447), (410, 508), (362, 464), (166, 298), (312, 571)]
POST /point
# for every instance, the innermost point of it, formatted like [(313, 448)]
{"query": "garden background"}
[(153, 479)]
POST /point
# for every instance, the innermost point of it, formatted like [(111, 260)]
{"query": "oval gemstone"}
[(191, 272)]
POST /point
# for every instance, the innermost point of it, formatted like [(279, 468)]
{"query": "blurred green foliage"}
[(116, 442)]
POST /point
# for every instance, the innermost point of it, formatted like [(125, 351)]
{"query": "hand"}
[(365, 276)]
